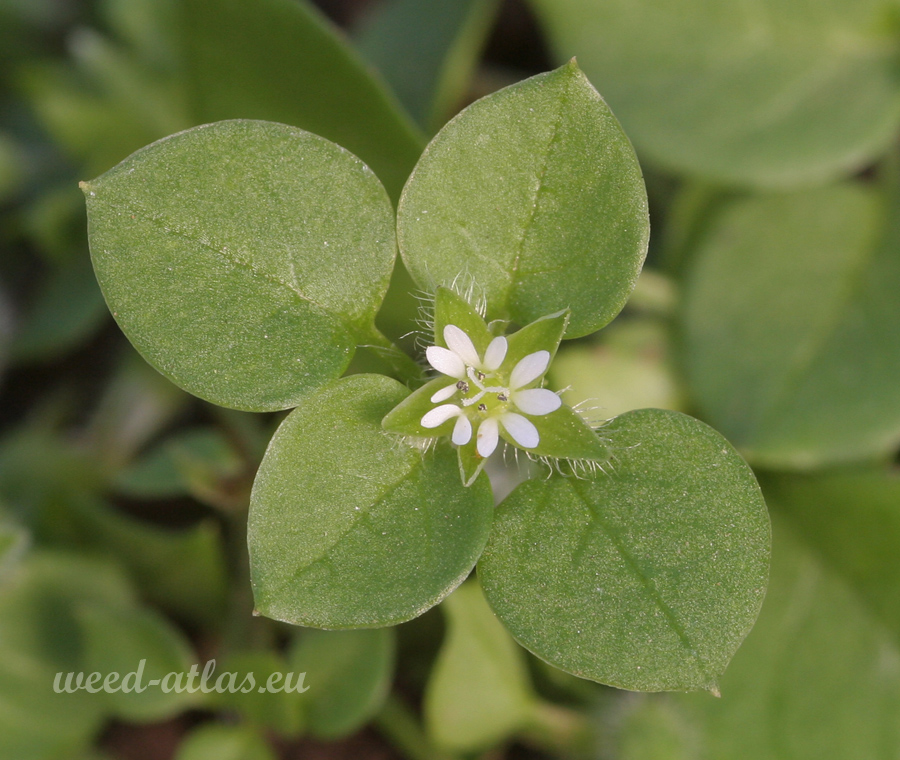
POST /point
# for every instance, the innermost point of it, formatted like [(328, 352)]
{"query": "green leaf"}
[(127, 640), (243, 259), (790, 315), (851, 519), (348, 674), (816, 678), (479, 692), (427, 51), (218, 742), (536, 194), (646, 578), (280, 60), (349, 527), (765, 92)]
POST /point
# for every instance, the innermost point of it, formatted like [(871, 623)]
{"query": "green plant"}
[(247, 260)]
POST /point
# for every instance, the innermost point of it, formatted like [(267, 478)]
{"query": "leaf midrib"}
[(630, 563), (536, 194), (141, 213), (356, 517)]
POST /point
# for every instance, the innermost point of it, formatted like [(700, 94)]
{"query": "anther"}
[(482, 407), (463, 386), (502, 397)]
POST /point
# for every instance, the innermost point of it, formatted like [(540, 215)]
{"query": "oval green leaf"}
[(765, 92), (351, 528), (790, 327), (348, 674), (646, 578), (535, 192), (243, 259), (479, 692)]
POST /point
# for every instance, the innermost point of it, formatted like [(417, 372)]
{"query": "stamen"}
[(477, 380), (474, 400)]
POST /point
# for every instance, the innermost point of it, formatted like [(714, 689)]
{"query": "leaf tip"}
[(714, 690)]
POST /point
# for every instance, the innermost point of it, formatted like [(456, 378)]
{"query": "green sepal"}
[(565, 434), (406, 417), (450, 308), (471, 463), (542, 334)]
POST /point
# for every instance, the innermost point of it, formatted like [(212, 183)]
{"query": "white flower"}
[(488, 406)]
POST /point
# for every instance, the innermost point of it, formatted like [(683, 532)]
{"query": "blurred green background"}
[(769, 308)]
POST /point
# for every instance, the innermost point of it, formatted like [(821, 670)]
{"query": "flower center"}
[(482, 392)]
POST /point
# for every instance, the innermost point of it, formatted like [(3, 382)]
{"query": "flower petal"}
[(461, 345), (439, 415), (536, 401), (488, 432), (446, 361), (528, 369), (462, 431), (444, 393), (495, 354), (522, 431)]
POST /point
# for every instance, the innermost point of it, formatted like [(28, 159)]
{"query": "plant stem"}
[(400, 726)]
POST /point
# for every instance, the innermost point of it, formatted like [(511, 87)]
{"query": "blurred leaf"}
[(851, 519), (150, 27), (11, 168), (478, 693), (159, 560), (348, 674), (14, 542), (93, 128), (280, 60), (214, 742), (282, 711), (627, 368), (535, 193), (195, 461), (790, 326), (41, 476), (350, 527), (68, 309), (427, 51), (244, 259), (40, 637), (647, 577), (54, 490), (817, 678), (137, 403), (765, 92), (127, 640)]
